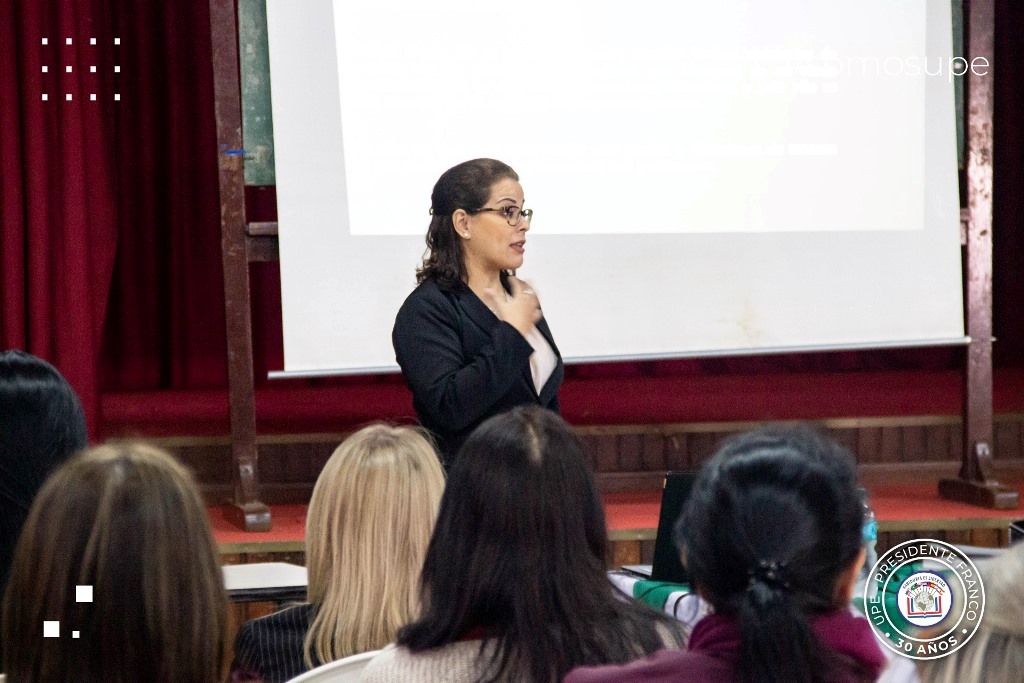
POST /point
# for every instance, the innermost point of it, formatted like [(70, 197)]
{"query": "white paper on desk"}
[(264, 575)]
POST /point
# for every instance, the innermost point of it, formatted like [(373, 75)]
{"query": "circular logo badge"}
[(924, 599)]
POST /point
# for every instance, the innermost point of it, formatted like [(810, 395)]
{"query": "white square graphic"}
[(68, 97), (92, 69), (51, 629), (45, 41), (117, 41), (92, 41), (45, 97), (67, 41), (68, 68), (92, 97), (117, 97), (83, 593), (117, 69), (45, 69), (74, 634)]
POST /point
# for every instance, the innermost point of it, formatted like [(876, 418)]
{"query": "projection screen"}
[(708, 177)]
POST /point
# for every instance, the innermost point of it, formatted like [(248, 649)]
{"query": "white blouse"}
[(543, 359)]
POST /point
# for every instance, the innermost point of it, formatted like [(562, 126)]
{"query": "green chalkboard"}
[(257, 117)]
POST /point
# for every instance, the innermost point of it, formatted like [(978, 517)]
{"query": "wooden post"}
[(973, 484), (246, 510)]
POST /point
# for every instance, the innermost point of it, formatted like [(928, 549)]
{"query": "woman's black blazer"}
[(464, 365)]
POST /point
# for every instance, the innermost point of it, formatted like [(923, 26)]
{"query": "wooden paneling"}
[(984, 537), (634, 456), (677, 454), (624, 552), (702, 446), (1008, 438), (847, 437), (630, 446), (915, 444), (869, 445), (604, 451), (652, 452)]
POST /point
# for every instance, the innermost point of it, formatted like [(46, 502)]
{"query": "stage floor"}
[(633, 516)]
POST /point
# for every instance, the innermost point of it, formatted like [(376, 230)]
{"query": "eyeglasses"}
[(512, 214)]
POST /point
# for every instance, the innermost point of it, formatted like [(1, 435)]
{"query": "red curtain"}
[(58, 214), (82, 180), (165, 326)]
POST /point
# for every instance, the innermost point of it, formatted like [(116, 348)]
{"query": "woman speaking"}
[(471, 338)]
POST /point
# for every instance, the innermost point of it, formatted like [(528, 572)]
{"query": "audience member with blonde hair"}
[(995, 654), (367, 529), (128, 521)]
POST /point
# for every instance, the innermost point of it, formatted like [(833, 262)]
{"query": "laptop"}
[(667, 566)]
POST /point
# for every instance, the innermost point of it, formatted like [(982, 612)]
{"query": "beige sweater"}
[(459, 662), (454, 663)]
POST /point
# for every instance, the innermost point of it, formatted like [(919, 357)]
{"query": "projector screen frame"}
[(710, 353)]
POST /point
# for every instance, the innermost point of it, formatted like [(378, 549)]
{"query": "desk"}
[(265, 582)]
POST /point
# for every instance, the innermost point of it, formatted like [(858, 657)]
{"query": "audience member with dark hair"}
[(771, 537), (127, 521), (995, 653), (514, 581), (41, 426), (369, 522)]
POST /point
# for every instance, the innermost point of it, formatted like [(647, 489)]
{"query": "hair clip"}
[(769, 572), (431, 212)]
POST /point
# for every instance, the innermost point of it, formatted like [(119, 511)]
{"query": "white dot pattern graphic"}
[(70, 68)]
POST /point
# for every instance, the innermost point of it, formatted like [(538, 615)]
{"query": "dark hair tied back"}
[(768, 572), (773, 522), (468, 187)]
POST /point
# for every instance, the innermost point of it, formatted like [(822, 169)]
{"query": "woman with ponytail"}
[(771, 537)]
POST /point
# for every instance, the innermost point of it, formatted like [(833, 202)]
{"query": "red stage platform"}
[(633, 516)]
